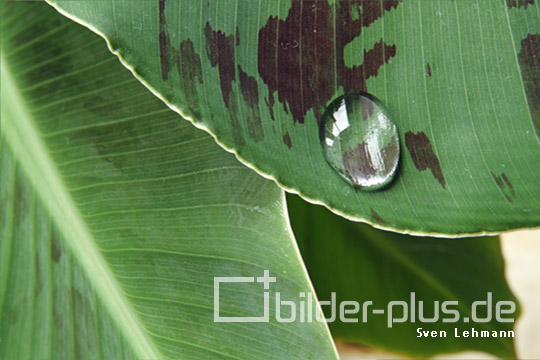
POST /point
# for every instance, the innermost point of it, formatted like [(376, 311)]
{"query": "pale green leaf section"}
[(21, 133), (116, 216)]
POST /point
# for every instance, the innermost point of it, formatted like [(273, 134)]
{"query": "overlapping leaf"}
[(116, 215)]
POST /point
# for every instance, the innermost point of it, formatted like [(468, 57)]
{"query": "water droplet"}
[(360, 141)]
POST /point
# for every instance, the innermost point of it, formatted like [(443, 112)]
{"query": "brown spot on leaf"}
[(298, 57), (190, 70), (529, 61), (287, 140), (270, 103), (519, 3), (505, 185), (249, 88), (423, 156), (164, 55), (220, 51), (358, 163), (428, 69), (164, 43), (509, 184), (378, 219), (250, 93)]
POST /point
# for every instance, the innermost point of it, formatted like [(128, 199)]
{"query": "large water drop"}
[(360, 141)]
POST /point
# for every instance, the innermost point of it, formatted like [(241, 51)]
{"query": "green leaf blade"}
[(447, 72), (125, 215)]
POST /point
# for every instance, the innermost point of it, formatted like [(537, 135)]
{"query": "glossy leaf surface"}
[(459, 79)]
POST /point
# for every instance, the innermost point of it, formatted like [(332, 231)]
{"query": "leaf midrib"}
[(22, 136)]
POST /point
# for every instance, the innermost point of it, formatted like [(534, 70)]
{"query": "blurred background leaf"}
[(360, 263)]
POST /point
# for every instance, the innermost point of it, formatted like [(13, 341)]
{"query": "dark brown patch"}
[(248, 85), (250, 93), (220, 51), (164, 43), (505, 185), (357, 162), (519, 3), (509, 184), (298, 56), (428, 69), (39, 280), (190, 70), (270, 104), (287, 140), (423, 156), (56, 251), (378, 219), (529, 61), (164, 55)]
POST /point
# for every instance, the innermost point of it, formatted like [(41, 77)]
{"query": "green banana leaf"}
[(359, 263), (458, 78), (116, 215)]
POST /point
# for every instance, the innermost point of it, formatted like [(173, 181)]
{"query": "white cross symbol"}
[(266, 279)]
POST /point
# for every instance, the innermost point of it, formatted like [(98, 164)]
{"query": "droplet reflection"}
[(360, 141)]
